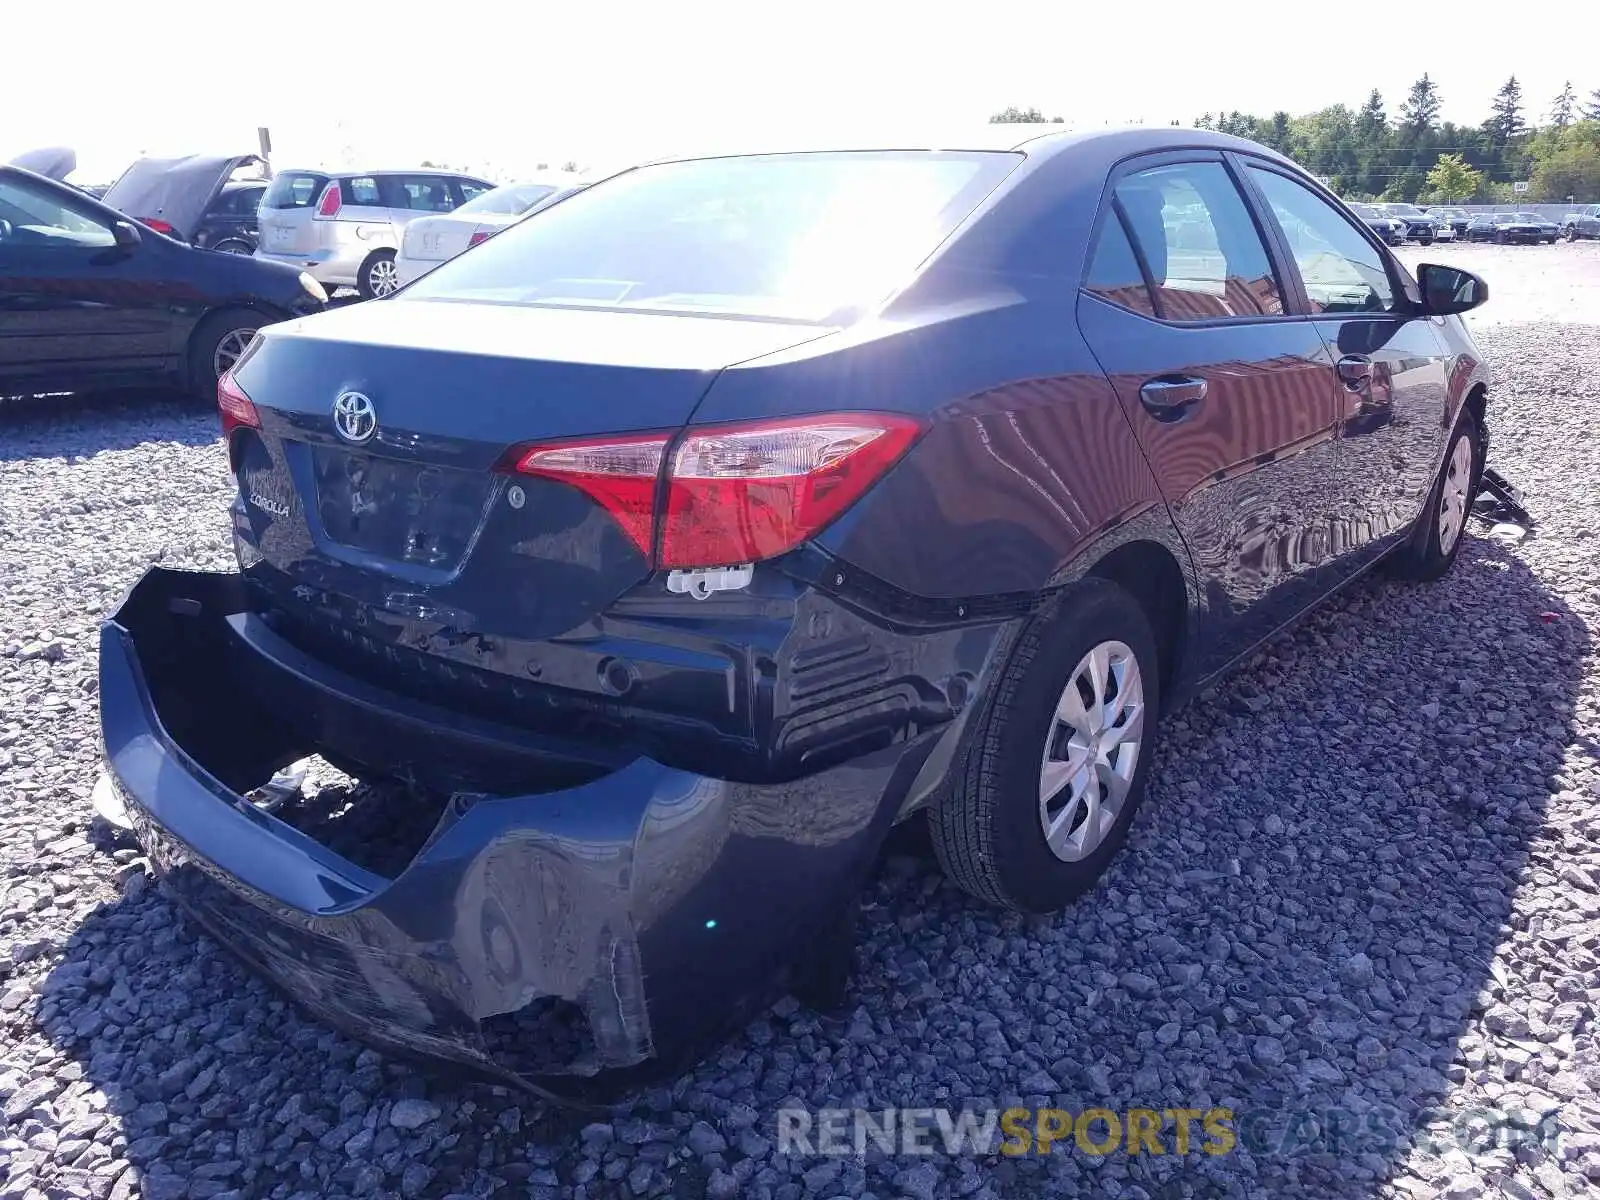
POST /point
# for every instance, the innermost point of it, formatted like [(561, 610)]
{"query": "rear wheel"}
[(233, 246), (379, 276), (1055, 769), (1436, 539), (216, 345)]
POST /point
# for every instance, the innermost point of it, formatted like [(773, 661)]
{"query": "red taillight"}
[(619, 472), (328, 206), (734, 493), (478, 236), (158, 225), (237, 409)]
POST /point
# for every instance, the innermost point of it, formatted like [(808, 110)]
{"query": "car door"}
[(1391, 365), (74, 306), (1229, 395)]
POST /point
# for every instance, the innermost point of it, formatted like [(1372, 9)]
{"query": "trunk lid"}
[(434, 239), (414, 519)]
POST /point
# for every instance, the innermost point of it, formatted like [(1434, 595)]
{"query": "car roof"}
[(1037, 141), (360, 173)]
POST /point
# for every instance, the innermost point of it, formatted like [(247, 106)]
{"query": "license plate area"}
[(414, 513)]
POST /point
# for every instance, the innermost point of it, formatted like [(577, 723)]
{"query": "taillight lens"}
[(734, 493), (740, 494), (478, 236), (620, 473), (238, 411), (328, 206), (158, 225)]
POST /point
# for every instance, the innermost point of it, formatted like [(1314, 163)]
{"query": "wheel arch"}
[(1152, 574)]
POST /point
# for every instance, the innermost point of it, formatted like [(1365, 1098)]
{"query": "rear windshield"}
[(512, 199), (294, 190), (812, 238)]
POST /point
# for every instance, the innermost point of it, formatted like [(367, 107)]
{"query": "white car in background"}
[(430, 241)]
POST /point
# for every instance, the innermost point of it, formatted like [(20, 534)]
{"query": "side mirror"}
[(126, 235), (1448, 290)]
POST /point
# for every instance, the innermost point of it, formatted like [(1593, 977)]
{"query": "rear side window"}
[(1206, 257), (471, 189), (1342, 271), (418, 193), (361, 190), (1114, 275), (294, 190)]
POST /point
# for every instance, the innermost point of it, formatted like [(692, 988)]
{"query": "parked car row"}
[(1398, 223), (1510, 227)]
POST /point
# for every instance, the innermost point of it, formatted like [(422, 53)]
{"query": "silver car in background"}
[(429, 241), (344, 228)]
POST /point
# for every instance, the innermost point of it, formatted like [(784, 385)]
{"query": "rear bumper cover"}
[(663, 906)]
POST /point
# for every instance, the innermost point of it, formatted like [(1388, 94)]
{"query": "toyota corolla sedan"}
[(639, 569)]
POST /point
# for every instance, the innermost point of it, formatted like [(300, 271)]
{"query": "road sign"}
[(1520, 186)]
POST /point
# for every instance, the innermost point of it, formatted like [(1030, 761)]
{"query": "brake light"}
[(238, 411), (620, 473), (331, 201), (477, 236), (735, 493), (158, 225)]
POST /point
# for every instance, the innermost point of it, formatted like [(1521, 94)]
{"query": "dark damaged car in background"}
[(91, 297), (634, 572)]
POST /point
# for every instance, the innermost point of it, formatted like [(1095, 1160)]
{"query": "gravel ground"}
[(1367, 879)]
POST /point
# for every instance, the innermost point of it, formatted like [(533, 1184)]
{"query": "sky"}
[(501, 88)]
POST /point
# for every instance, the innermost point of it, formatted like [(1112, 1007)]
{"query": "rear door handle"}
[(1355, 371), (1167, 396)]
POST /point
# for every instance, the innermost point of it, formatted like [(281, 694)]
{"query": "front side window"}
[(803, 237), (1343, 272), (37, 218), (1205, 255)]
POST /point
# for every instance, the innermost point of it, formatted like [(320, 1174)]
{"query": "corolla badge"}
[(354, 417)]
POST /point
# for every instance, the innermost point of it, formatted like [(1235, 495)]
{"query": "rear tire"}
[(216, 344), (1435, 542), (233, 246), (378, 275), (989, 831)]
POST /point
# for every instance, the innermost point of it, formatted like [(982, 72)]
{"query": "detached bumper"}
[(577, 940)]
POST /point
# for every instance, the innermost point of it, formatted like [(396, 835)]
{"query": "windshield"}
[(800, 237), (1531, 217), (512, 199), (1364, 211), (1410, 210)]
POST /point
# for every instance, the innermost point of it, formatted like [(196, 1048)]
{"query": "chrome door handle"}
[(1355, 371), (1167, 396)]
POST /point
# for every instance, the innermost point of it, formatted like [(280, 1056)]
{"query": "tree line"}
[(1412, 155)]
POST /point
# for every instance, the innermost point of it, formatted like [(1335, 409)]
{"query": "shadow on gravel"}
[(1301, 930), (84, 422)]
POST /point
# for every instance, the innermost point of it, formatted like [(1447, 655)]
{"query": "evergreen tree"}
[(1421, 108), (1591, 107), (1564, 107), (1505, 114), (1371, 121)]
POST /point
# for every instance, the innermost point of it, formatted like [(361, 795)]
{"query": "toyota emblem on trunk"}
[(354, 418)]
